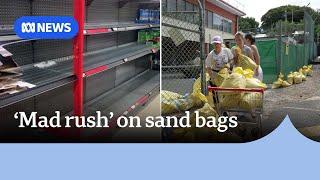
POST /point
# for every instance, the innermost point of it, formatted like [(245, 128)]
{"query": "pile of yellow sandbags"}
[(172, 102), (280, 83), (241, 79), (293, 77), (251, 82)]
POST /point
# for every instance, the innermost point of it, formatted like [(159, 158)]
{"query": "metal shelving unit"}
[(100, 28), (111, 61), (60, 72), (118, 99), (125, 100)]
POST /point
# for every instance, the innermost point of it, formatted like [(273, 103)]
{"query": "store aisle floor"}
[(147, 134)]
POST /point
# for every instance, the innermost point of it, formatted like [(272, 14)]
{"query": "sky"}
[(257, 8)]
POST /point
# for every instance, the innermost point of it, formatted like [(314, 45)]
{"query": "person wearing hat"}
[(218, 58)]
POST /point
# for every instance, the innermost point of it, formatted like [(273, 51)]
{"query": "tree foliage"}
[(248, 23), (290, 12)]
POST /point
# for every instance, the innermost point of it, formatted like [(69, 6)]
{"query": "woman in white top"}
[(218, 57), (240, 41), (250, 41)]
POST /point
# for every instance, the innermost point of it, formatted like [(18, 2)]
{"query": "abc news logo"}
[(28, 27), (46, 27)]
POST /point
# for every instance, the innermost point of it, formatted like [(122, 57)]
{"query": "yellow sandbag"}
[(210, 99), (172, 102), (238, 70), (168, 95), (285, 84), (235, 80), (302, 72), (281, 76), (207, 111), (277, 84), (198, 99), (197, 83), (247, 73), (221, 76), (183, 104), (167, 101), (290, 78), (229, 101), (296, 73), (305, 70), (254, 83), (251, 101), (168, 107), (297, 78), (309, 72), (179, 105), (244, 61)]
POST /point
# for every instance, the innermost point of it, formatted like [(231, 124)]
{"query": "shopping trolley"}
[(245, 103)]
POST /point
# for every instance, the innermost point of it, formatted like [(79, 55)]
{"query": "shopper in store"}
[(250, 41), (218, 58)]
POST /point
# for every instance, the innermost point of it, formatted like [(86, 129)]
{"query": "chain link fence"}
[(296, 44), (286, 47), (181, 52)]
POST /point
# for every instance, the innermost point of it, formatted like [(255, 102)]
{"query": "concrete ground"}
[(301, 102)]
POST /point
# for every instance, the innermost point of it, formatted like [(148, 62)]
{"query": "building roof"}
[(228, 7)]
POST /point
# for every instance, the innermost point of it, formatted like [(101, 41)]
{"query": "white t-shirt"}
[(217, 61)]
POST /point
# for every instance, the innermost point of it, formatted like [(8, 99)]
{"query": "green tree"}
[(290, 12), (248, 24)]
